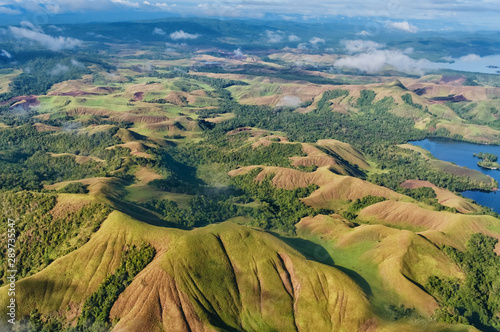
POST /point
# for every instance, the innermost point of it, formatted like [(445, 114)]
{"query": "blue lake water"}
[(475, 64), (461, 154)]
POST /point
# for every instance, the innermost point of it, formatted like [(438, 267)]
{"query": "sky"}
[(473, 14)]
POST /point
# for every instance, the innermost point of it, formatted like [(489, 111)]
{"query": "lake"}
[(475, 64), (461, 153)]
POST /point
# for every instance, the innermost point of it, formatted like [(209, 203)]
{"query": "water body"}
[(461, 154), (475, 64)]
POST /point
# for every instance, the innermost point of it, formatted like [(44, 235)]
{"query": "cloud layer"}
[(273, 37), (359, 46), (467, 10), (44, 40), (158, 31), (182, 35), (369, 57), (5, 54), (403, 26)]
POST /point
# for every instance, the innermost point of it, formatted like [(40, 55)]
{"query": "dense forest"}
[(475, 300), (43, 235), (261, 202)]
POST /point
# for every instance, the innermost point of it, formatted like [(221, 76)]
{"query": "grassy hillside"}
[(205, 279)]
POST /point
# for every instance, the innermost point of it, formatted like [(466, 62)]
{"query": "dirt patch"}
[(138, 96), (444, 100), (136, 148), (68, 204), (119, 116), (74, 93), (96, 185), (177, 98), (44, 117), (40, 127), (78, 159), (22, 101), (268, 140), (104, 90), (145, 175), (457, 80)]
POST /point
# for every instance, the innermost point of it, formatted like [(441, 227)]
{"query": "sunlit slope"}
[(69, 280), (221, 277), (395, 263), (438, 226), (225, 275), (444, 197), (332, 187), (231, 277)]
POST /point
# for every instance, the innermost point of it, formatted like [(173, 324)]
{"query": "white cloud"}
[(158, 31), (375, 60), (273, 37), (239, 54), (77, 63), (290, 101), (293, 38), (470, 58), (31, 26), (58, 70), (478, 12), (316, 40), (183, 35), (364, 33), (6, 54), (47, 41), (403, 26), (303, 47), (160, 5), (360, 46), (9, 11), (56, 28), (126, 3)]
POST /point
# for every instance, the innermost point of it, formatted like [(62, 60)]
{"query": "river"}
[(461, 153)]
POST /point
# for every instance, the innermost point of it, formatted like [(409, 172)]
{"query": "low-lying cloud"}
[(183, 35), (273, 37), (158, 31), (375, 60), (293, 38), (317, 40), (290, 101), (9, 11), (35, 34), (77, 63), (470, 58), (6, 54), (360, 46), (364, 33), (403, 26), (238, 54), (59, 69)]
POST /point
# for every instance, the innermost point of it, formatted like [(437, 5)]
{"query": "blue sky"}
[(478, 14)]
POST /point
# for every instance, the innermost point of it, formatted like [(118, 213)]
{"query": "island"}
[(488, 160)]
